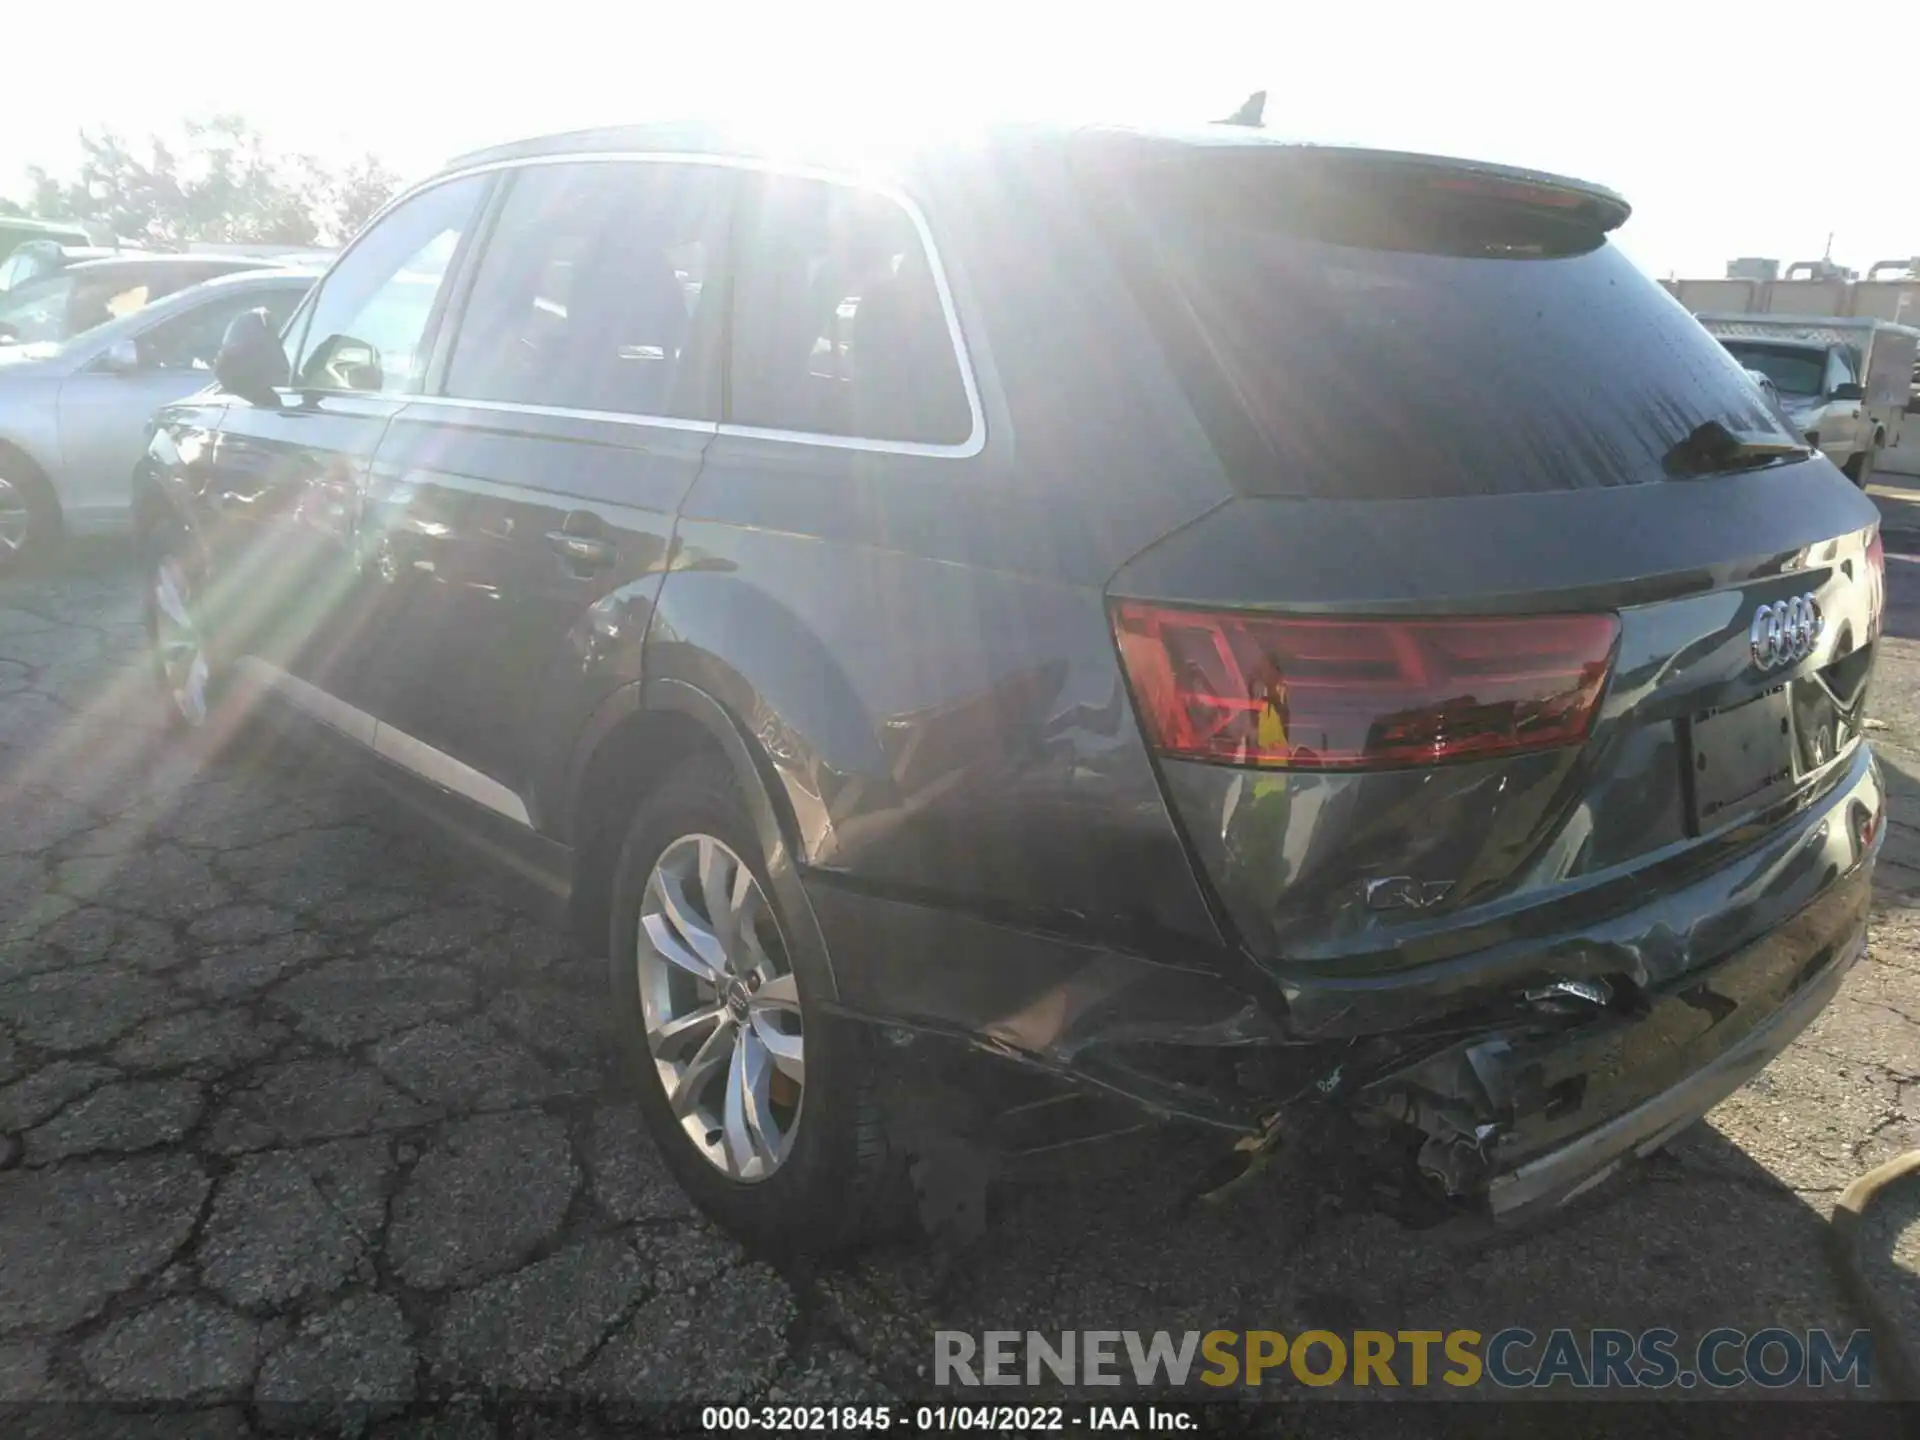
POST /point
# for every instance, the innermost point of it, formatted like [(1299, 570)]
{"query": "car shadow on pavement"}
[(1701, 1236)]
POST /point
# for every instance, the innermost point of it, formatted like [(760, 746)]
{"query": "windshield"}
[(1794, 371), (31, 254), (61, 306), (1393, 349)]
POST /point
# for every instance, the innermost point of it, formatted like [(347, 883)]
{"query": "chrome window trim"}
[(617, 417), (965, 450), (976, 440)]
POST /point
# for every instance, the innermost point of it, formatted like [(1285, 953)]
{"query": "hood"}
[(1803, 410)]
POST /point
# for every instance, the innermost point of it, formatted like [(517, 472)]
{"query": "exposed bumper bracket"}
[(1562, 1174)]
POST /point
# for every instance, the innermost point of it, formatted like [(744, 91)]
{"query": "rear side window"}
[(1397, 347), (61, 306), (838, 324), (370, 317), (95, 302), (593, 294)]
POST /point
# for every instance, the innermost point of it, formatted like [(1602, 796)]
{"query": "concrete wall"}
[(1888, 300), (1870, 299)]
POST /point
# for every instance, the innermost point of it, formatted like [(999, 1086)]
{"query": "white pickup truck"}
[(1845, 383)]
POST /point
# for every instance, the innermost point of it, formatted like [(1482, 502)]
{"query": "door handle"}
[(585, 553)]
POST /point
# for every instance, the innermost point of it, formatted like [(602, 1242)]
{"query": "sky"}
[(1683, 107)]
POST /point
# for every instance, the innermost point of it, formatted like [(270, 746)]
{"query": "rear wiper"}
[(1713, 449)]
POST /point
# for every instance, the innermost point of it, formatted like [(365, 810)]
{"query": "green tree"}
[(223, 184), (355, 194)]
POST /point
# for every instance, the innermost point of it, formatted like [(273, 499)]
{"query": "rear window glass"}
[(1480, 349), (58, 307)]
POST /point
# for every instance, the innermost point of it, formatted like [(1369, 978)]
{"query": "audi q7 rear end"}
[(1309, 642), (1511, 708), (1506, 699)]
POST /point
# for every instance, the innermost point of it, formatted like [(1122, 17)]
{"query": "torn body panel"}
[(1514, 1077), (1528, 1116)]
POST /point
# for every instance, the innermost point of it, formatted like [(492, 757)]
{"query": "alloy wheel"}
[(16, 518), (721, 1008), (177, 642)]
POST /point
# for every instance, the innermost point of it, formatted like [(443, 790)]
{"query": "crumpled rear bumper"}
[(1561, 1174), (1515, 1077), (1530, 1120)]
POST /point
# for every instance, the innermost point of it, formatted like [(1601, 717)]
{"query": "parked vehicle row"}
[(1308, 641), (17, 233), (61, 305), (39, 259), (77, 401)]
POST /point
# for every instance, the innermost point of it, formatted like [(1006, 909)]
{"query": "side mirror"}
[(348, 364), (1848, 390), (120, 358), (251, 363)]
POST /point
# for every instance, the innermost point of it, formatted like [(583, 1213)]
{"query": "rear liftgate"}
[(1566, 1055)]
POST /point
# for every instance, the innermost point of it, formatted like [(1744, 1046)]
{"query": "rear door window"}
[(95, 301), (839, 326), (596, 291), (1348, 340)]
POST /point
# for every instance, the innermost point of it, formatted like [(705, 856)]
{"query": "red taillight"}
[(1876, 585), (1250, 689)]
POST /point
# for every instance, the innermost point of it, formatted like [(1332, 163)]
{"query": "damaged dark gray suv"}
[(1307, 642)]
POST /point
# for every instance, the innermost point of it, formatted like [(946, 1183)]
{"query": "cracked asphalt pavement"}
[(302, 1122)]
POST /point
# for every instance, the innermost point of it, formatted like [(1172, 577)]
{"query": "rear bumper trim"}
[(1561, 1175)]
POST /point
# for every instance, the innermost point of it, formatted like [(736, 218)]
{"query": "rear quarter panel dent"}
[(949, 732)]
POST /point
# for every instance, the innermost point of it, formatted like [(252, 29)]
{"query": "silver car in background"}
[(74, 415), (76, 298)]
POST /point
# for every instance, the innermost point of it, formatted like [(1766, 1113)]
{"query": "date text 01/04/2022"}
[(992, 1419)]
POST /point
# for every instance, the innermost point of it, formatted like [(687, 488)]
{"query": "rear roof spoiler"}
[(1596, 205)]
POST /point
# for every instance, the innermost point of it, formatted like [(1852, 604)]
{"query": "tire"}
[(29, 512), (187, 674), (1872, 461), (816, 1175)]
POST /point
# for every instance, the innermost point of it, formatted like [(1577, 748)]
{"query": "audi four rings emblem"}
[(1785, 631)]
